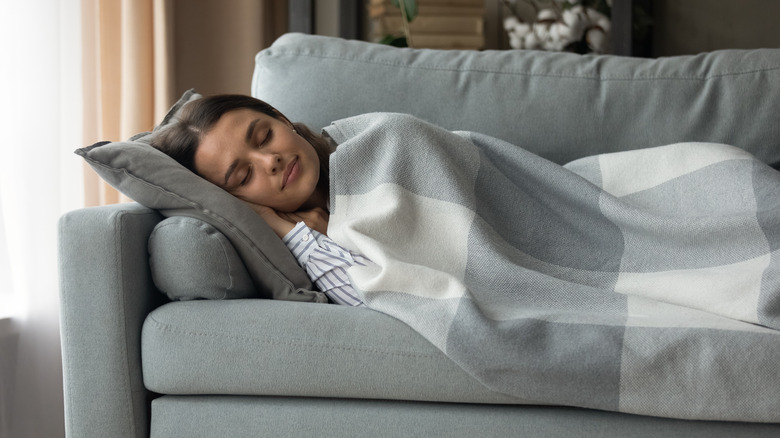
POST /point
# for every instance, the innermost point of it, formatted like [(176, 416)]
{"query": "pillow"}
[(157, 181), (190, 259)]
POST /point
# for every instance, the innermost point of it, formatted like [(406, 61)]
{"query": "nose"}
[(272, 163)]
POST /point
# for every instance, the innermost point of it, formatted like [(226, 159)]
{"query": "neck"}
[(318, 199)]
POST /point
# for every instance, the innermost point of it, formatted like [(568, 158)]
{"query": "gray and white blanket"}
[(645, 282)]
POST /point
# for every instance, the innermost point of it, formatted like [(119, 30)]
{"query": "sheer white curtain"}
[(40, 178)]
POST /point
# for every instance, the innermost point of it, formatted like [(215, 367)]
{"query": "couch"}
[(143, 358)]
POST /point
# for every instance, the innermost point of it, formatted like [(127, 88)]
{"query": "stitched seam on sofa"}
[(531, 74), (172, 329), (222, 244), (207, 212)]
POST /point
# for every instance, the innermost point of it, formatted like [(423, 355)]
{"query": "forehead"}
[(234, 119)]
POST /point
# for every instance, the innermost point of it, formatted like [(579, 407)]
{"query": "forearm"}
[(326, 263), (324, 260)]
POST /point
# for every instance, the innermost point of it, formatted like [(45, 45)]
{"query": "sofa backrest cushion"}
[(561, 106), (157, 181)]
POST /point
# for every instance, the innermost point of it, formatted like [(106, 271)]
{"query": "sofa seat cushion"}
[(268, 347)]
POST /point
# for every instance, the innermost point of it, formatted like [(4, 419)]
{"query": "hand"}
[(279, 224), (282, 223)]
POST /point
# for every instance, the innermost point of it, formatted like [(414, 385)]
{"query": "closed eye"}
[(268, 136), (247, 177)]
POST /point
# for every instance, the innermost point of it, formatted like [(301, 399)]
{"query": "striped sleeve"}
[(326, 263)]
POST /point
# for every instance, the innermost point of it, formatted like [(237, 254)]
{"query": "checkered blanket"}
[(645, 282)]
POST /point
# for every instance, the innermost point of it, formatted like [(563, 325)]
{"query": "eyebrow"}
[(249, 131), (230, 171)]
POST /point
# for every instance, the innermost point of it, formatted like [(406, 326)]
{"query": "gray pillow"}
[(157, 181), (190, 259)]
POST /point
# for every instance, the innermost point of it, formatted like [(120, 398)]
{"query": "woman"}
[(514, 266), (279, 168)]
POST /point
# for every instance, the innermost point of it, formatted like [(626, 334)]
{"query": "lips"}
[(290, 173)]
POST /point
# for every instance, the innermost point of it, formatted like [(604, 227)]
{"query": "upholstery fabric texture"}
[(281, 417), (561, 106), (191, 259), (185, 344), (106, 292)]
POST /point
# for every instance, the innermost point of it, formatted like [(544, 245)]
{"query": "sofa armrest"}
[(106, 291)]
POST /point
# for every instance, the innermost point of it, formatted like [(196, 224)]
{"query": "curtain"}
[(74, 72), (133, 74), (40, 178), (127, 75)]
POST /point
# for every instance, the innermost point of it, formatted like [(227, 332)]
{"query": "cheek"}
[(256, 193), (314, 159)]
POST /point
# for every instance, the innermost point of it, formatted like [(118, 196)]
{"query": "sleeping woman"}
[(416, 204), (280, 169), (546, 282)]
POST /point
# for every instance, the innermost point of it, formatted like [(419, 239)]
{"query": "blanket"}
[(645, 282)]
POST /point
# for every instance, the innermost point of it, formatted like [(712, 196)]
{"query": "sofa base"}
[(279, 417)]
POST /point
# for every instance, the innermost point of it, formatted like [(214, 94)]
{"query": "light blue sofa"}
[(137, 364)]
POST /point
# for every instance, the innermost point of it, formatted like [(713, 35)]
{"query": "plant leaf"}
[(411, 8), (395, 41)]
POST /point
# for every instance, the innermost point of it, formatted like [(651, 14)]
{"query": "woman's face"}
[(259, 159)]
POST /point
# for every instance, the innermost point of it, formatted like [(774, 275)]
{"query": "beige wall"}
[(326, 20), (215, 42), (693, 26)]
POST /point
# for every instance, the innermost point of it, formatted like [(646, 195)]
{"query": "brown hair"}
[(181, 138)]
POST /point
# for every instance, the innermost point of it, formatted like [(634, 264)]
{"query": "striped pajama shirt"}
[(326, 263)]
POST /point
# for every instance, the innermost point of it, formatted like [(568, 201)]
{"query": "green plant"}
[(408, 13)]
